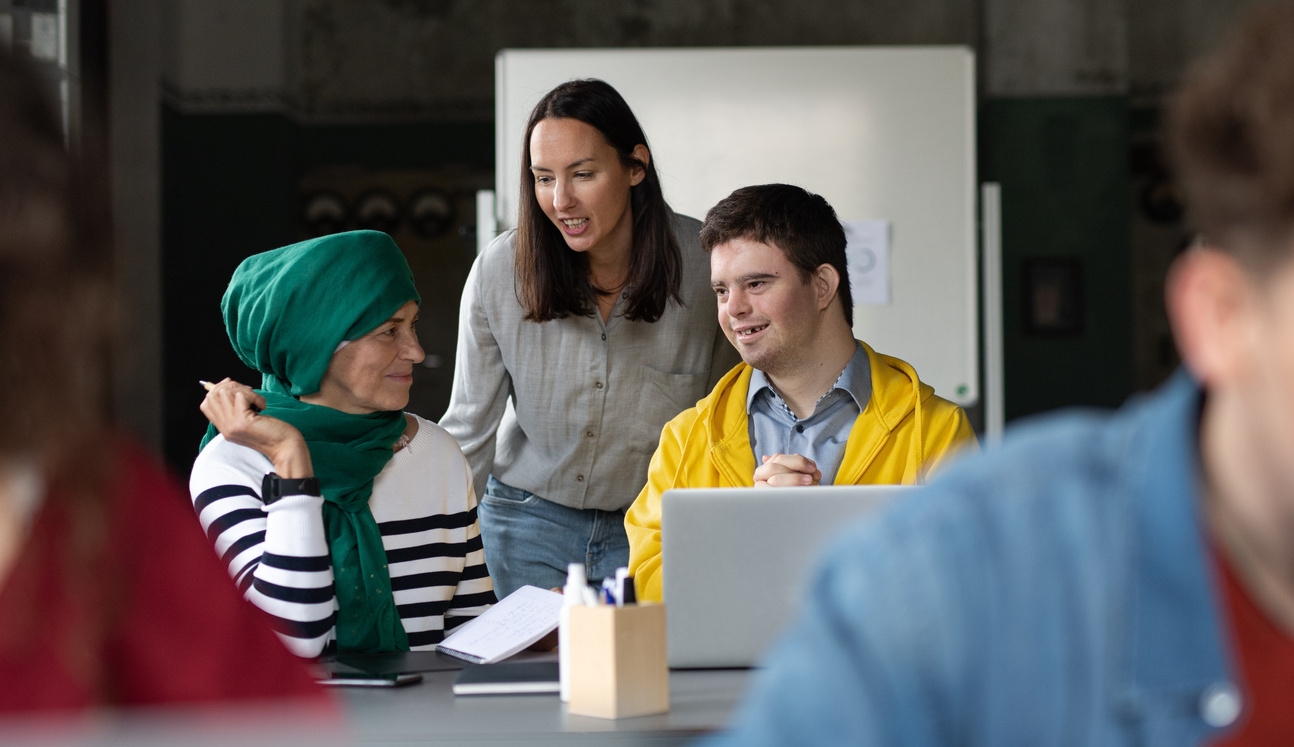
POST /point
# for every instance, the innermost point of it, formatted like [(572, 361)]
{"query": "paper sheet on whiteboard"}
[(868, 252)]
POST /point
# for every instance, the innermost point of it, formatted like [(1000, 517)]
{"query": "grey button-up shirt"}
[(822, 436), (588, 399)]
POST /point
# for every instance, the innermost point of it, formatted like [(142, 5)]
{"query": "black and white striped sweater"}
[(424, 505)]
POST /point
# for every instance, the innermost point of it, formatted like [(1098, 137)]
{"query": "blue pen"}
[(622, 575)]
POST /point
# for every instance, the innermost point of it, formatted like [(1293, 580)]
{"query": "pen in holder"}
[(617, 659)]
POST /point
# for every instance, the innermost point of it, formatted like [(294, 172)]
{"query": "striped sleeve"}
[(475, 591), (277, 554)]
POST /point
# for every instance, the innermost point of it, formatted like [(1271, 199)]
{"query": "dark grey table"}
[(429, 713), (426, 713)]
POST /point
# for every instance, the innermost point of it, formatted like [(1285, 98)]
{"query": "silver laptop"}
[(735, 563)]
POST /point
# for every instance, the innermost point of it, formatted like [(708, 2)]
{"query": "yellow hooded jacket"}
[(708, 446)]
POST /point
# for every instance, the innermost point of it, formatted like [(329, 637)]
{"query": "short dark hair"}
[(553, 281), (1231, 140), (803, 225)]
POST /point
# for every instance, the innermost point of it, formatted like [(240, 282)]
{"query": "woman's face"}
[(582, 186), (373, 373)]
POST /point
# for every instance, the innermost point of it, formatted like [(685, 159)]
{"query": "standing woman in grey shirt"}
[(596, 319)]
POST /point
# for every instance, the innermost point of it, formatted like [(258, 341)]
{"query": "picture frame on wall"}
[(1053, 297)]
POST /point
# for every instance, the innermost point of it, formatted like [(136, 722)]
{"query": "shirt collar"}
[(1174, 607), (855, 380)]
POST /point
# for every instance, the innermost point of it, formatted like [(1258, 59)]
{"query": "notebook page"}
[(518, 620)]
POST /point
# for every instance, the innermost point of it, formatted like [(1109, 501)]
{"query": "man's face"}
[(1264, 376), (1235, 330), (768, 312)]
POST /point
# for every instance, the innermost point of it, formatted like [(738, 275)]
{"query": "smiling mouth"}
[(751, 331), (575, 225)]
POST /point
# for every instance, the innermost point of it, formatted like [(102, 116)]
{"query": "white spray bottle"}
[(573, 595)]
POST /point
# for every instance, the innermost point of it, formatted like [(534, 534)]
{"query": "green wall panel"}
[(1062, 164)]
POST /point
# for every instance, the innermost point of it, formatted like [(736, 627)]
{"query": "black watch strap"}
[(274, 487)]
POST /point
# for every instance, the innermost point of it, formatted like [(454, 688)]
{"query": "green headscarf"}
[(286, 311)]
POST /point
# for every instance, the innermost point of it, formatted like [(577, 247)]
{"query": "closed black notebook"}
[(507, 678)]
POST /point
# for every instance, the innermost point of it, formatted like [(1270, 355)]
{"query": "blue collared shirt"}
[(774, 429)]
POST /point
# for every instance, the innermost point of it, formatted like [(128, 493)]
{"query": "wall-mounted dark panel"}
[(1062, 164)]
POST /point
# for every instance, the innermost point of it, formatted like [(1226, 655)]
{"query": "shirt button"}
[(598, 385), (799, 429), (579, 478), (1220, 704), (604, 336), (589, 434)]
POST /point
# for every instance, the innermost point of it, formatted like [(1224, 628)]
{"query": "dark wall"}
[(227, 192), (230, 185), (1062, 164)]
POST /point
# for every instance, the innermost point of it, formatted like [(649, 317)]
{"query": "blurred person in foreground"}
[(1100, 579), (109, 595)]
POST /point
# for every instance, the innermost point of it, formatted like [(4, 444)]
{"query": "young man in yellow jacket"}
[(809, 404)]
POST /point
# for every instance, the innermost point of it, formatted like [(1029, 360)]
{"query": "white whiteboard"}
[(884, 133)]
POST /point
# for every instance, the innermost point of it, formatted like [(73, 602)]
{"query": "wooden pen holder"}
[(618, 662)]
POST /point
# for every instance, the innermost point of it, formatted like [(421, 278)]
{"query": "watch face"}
[(274, 487), (270, 488)]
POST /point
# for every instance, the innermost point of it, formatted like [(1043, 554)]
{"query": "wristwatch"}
[(274, 487)]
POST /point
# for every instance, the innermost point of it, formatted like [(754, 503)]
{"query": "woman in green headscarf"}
[(341, 516)]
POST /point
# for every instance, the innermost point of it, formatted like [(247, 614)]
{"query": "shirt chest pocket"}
[(661, 396)]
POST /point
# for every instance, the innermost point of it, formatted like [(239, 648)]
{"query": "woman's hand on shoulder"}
[(235, 411)]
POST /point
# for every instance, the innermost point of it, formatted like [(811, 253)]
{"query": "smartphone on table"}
[(365, 679)]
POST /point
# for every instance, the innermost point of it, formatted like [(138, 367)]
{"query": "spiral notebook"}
[(515, 622)]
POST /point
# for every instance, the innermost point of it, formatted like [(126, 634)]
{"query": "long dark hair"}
[(55, 298), (56, 332), (553, 281)]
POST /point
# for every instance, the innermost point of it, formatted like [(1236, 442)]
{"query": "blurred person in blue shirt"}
[(1099, 579)]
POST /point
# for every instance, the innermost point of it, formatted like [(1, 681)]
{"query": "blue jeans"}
[(529, 540)]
